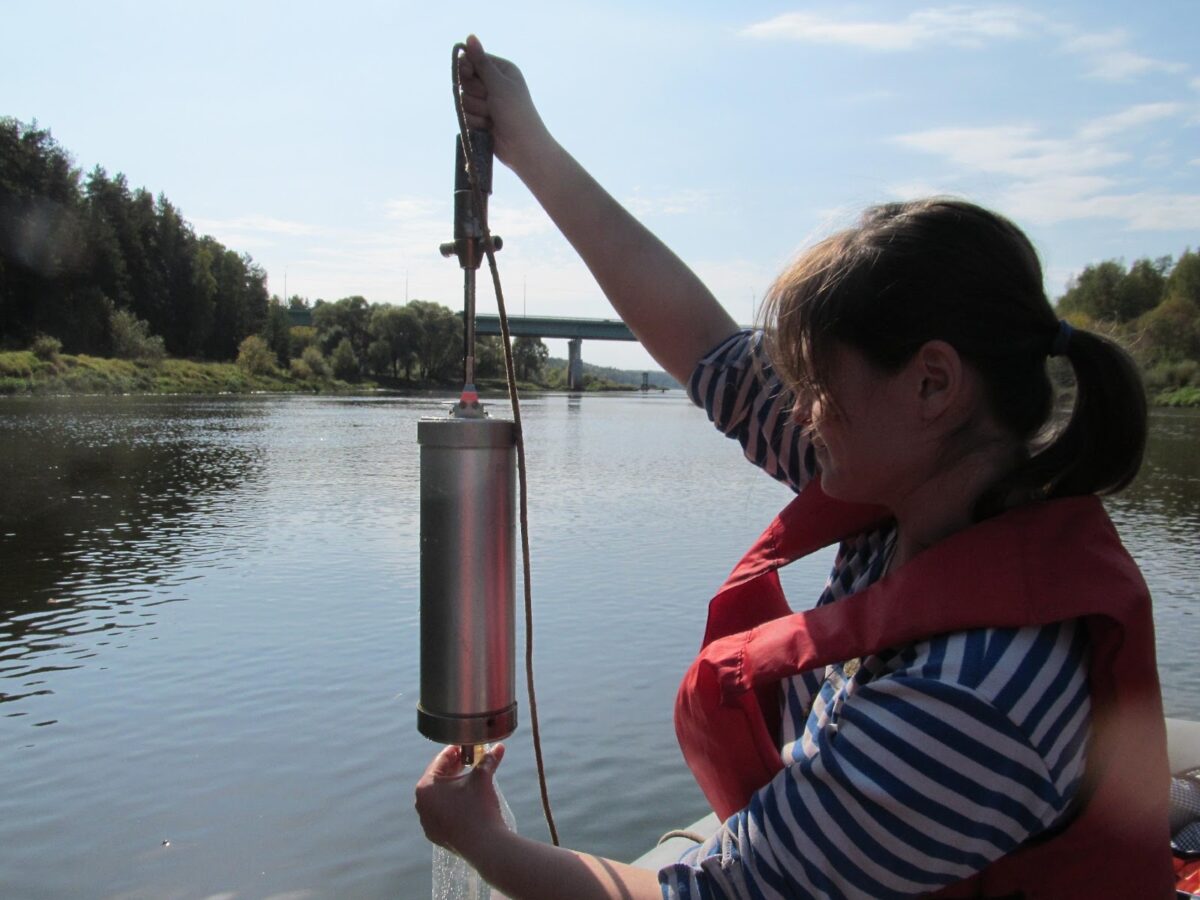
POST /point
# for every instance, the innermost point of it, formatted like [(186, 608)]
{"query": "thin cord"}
[(510, 373)]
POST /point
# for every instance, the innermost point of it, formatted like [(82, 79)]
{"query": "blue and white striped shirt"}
[(914, 770)]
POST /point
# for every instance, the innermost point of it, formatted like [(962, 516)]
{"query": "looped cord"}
[(522, 478), (1062, 338)]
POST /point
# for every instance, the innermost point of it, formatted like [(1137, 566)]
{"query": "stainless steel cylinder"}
[(468, 631)]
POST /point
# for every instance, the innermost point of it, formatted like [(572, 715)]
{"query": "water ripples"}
[(266, 726)]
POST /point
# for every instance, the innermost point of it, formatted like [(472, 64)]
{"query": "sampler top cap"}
[(466, 433)]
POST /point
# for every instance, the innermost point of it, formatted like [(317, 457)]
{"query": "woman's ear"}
[(939, 379)]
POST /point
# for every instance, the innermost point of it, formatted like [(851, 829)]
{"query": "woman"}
[(973, 705)]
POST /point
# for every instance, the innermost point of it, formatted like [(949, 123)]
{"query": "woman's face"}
[(861, 430)]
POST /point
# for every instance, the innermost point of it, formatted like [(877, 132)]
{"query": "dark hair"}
[(945, 269)]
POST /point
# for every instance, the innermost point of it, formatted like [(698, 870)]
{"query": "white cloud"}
[(1111, 60), (954, 25), (1126, 119), (1107, 54), (1195, 83), (1014, 150), (1048, 203), (1047, 179)]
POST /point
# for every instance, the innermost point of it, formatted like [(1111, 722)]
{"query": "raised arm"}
[(670, 310)]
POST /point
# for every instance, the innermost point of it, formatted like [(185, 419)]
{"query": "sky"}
[(318, 137)]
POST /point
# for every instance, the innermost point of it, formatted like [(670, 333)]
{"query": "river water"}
[(208, 631)]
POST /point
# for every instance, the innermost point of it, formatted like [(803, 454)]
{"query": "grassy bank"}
[(22, 372), (1184, 396)]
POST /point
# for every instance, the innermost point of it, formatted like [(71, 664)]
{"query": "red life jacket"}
[(1042, 563)]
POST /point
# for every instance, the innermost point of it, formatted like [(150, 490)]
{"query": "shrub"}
[(1172, 375), (300, 369), (255, 357), (316, 363), (17, 364), (344, 360), (1188, 373), (131, 337), (46, 348)]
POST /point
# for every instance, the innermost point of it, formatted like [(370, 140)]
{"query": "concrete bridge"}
[(574, 330)]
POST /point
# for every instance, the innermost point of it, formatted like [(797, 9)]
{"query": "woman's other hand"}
[(456, 804)]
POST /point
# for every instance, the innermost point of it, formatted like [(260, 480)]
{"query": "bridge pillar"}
[(575, 364)]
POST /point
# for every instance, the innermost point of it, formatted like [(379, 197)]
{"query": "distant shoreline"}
[(24, 374)]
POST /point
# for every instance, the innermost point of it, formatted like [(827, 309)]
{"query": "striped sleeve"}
[(923, 777), (741, 394)]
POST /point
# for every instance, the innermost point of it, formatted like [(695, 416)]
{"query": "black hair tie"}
[(1062, 338)]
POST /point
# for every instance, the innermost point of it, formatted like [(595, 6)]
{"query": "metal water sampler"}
[(468, 628)]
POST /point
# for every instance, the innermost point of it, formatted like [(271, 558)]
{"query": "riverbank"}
[(24, 373)]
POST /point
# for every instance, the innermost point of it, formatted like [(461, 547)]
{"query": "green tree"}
[(1173, 327), (379, 358), (348, 318), (1106, 292), (489, 356), (203, 297), (43, 247), (344, 361), (183, 308), (398, 328), (240, 303), (529, 357), (440, 341), (1184, 280)]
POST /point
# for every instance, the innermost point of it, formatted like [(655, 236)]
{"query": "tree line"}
[(421, 341), (89, 265), (1152, 307)]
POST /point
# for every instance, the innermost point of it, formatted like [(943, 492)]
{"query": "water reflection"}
[(99, 498)]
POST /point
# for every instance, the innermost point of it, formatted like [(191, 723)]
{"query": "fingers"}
[(474, 91), (474, 106), (491, 759), (447, 764), (475, 54)]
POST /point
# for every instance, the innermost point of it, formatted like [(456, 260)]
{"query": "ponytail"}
[(1100, 449)]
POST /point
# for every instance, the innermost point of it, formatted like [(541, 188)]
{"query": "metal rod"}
[(468, 326)]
